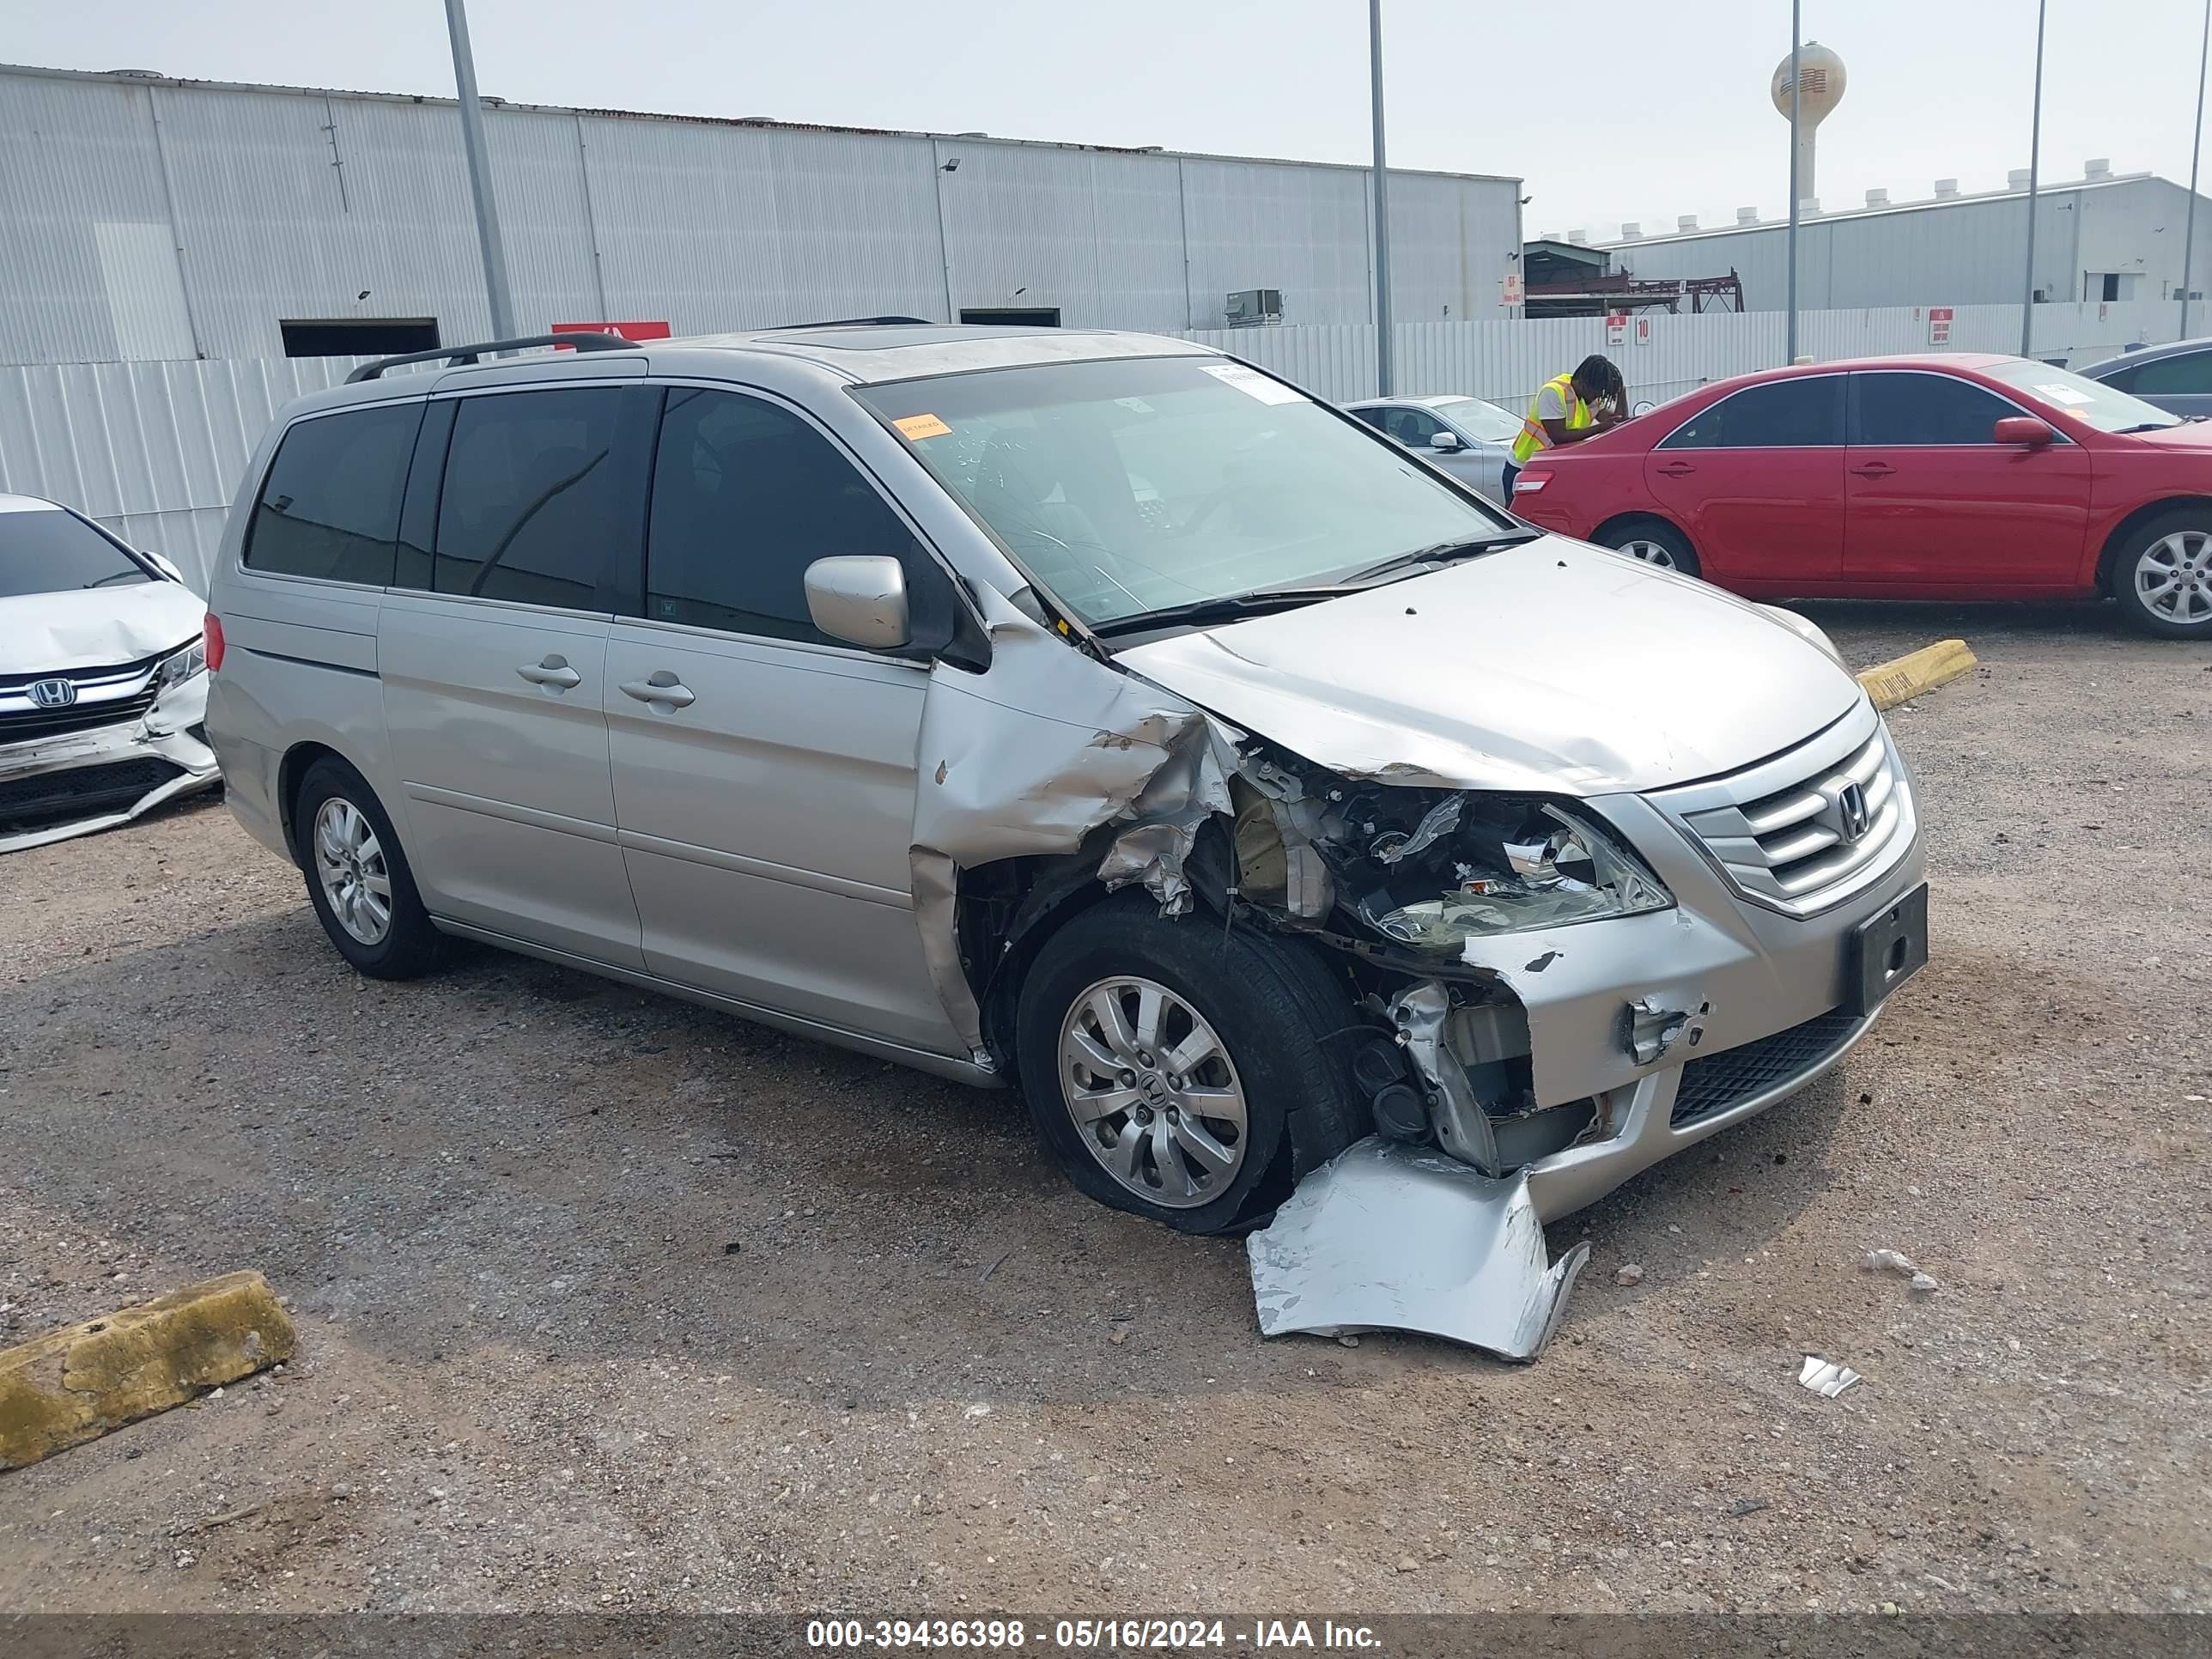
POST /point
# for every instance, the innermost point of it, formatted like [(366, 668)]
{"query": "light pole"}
[(472, 141), (2034, 162), (2195, 145), (1796, 98), (1382, 207)]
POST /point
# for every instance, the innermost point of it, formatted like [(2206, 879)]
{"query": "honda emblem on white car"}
[(1853, 817), (52, 694)]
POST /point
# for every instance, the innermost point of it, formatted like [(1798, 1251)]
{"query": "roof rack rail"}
[(461, 355), (858, 322)]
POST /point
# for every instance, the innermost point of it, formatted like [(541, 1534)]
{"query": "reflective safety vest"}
[(1533, 436)]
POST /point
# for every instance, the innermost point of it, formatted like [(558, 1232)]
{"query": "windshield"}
[(2090, 402), (1135, 484), (47, 551), (1479, 420)]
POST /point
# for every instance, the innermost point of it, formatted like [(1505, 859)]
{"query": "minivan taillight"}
[(212, 631)]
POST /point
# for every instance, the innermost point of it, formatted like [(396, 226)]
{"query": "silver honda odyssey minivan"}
[(1091, 712)]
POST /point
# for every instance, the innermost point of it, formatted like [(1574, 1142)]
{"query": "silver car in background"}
[(102, 680), (2176, 378), (1467, 437), (1088, 712)]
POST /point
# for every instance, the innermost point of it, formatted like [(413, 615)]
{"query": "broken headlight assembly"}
[(1510, 864), (180, 665)]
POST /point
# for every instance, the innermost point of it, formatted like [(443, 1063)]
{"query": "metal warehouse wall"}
[(1970, 252), (150, 220), (155, 451)]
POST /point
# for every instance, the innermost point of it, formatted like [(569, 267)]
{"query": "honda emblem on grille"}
[(52, 694), (1852, 817)]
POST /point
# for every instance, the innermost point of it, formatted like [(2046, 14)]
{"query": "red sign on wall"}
[(1939, 325), (627, 331)]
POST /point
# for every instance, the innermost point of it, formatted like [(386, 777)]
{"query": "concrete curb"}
[(1890, 684), (75, 1384)]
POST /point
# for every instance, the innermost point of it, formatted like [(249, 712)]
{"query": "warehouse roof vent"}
[(1632, 232), (1946, 189), (1550, 236), (1877, 199), (1687, 221), (1578, 238), (2099, 167), (1747, 216), (2017, 178), (139, 74)]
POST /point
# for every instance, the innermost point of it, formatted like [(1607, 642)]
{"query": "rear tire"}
[(1654, 542), (2162, 575), (358, 879), (1200, 1122)]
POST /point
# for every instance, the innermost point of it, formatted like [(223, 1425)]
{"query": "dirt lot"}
[(608, 1303)]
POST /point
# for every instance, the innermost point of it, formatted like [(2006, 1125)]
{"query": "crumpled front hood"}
[(1552, 666), (96, 627)]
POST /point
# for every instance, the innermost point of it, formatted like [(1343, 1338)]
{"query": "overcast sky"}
[(1609, 110)]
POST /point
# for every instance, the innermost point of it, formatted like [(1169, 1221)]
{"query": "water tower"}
[(1824, 76)]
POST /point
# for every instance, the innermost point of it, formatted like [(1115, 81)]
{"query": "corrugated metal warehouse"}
[(2099, 238), (147, 219)]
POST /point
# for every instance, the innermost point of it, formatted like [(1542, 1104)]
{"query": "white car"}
[(1467, 437), (103, 680)]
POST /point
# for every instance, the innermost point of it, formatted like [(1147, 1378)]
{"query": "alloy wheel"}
[(1152, 1091), (1651, 552), (2173, 578), (350, 864)]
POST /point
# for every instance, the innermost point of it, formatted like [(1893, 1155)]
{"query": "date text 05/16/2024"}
[(1097, 1634)]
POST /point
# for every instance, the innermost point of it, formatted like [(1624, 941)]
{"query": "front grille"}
[(1717, 1081), (1810, 827), (81, 791), (29, 725), (17, 681)]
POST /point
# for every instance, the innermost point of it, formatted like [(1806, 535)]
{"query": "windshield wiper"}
[(1444, 551), (2152, 426), (1224, 607)]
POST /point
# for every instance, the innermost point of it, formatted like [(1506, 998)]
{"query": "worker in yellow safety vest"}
[(1568, 408)]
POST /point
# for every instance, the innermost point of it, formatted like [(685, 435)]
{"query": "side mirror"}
[(2025, 429), (859, 598), (1445, 441), (162, 564)]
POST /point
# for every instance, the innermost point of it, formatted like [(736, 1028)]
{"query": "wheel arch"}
[(289, 773), (2117, 538), (1641, 516)]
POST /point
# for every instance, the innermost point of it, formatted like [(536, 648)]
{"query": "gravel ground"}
[(609, 1303)]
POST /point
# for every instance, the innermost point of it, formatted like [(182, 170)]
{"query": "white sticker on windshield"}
[(2063, 394), (1253, 384), (1135, 406)]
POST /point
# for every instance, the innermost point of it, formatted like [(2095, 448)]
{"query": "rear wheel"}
[(1653, 542), (358, 880), (2163, 576), (1170, 1065)]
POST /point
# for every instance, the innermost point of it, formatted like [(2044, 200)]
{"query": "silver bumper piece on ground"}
[(1391, 1237)]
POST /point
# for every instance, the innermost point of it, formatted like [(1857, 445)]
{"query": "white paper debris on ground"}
[(1825, 1376), (1894, 1261), (1387, 1236)]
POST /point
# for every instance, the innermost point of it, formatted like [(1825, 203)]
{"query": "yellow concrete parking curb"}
[(1890, 684), (75, 1384)]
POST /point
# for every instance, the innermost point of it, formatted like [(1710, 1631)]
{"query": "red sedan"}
[(1952, 477)]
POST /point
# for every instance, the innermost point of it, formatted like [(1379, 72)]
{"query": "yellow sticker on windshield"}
[(918, 426)]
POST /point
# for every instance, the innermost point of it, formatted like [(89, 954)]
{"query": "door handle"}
[(663, 687), (554, 671), (1676, 470), (1874, 470)]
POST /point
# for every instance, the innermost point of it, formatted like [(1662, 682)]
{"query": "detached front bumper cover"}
[(165, 735), (1387, 1236)]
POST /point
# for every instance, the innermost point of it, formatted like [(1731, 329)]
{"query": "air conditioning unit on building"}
[(1250, 307)]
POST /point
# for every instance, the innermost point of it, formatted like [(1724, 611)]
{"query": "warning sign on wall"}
[(1644, 331), (1616, 328), (1509, 291), (1939, 325)]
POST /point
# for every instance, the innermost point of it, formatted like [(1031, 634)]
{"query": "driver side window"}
[(1413, 427)]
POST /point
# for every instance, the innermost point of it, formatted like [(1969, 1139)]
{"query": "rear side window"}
[(532, 505), (330, 505), (1921, 412), (745, 495), (1806, 412), (2191, 373)]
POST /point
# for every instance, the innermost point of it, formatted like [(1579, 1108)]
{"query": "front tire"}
[(2162, 576), (1654, 542), (1170, 1066), (358, 879)]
